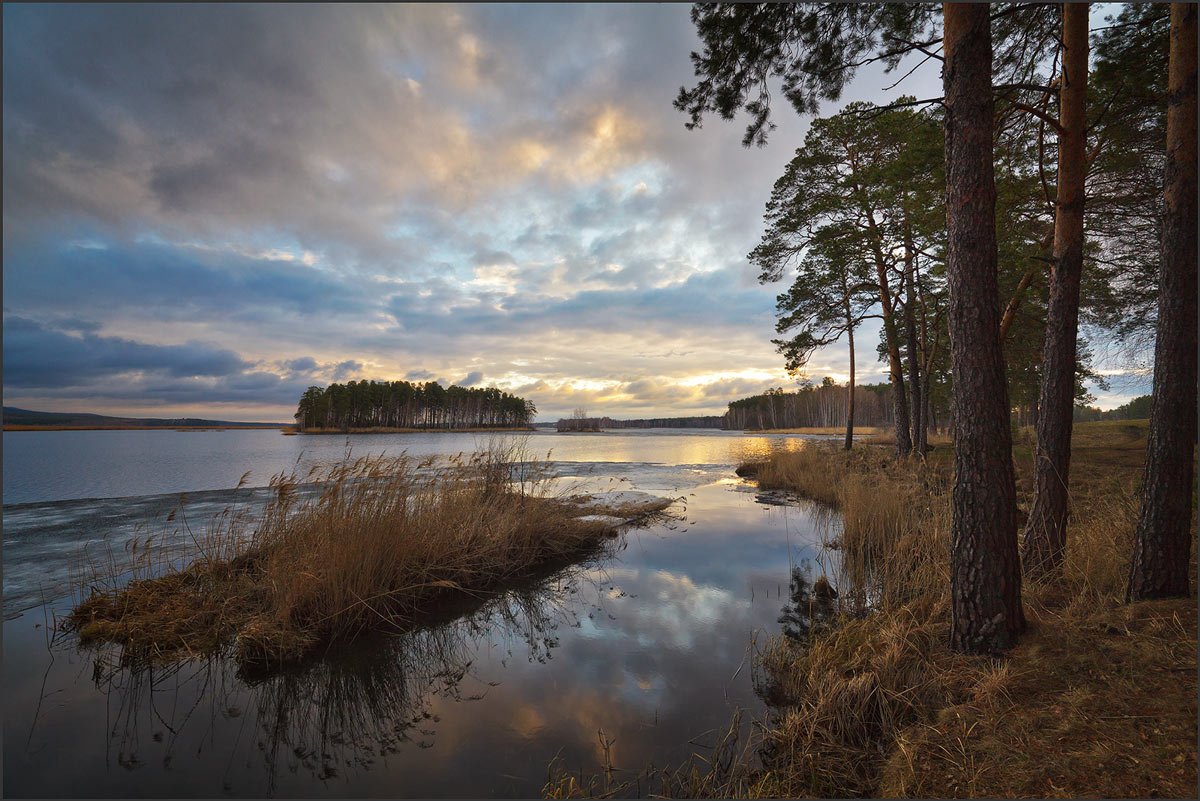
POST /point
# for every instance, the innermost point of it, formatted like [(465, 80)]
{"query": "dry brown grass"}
[(377, 544), (1104, 706), (1098, 699)]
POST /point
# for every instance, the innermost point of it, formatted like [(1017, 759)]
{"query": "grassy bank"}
[(380, 544), (1098, 699)]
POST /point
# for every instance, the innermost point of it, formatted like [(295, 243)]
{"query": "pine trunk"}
[(914, 369), (1046, 531), (1162, 547), (850, 391), (985, 571), (892, 340)]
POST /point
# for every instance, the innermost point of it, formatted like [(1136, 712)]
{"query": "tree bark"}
[(914, 369), (985, 572), (850, 391), (1162, 546), (1046, 530), (892, 340)]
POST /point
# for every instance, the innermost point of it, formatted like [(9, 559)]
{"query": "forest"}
[(1041, 209), (400, 404), (824, 405)]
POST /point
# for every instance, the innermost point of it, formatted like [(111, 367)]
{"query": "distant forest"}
[(1136, 409), (825, 406), (598, 423), (399, 404), (816, 406)]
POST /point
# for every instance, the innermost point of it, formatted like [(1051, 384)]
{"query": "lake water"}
[(649, 644)]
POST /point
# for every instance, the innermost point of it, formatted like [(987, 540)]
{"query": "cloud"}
[(346, 369), (35, 356), (471, 379), (317, 193), (305, 365)]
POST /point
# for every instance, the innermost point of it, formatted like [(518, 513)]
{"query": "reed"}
[(364, 544)]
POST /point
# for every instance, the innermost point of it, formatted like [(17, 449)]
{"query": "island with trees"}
[(400, 406)]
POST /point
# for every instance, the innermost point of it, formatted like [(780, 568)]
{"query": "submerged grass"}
[(365, 544)]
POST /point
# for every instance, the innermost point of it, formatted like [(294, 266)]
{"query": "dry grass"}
[(362, 545), (1098, 699), (1101, 706)]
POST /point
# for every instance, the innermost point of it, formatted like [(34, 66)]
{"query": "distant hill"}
[(24, 417)]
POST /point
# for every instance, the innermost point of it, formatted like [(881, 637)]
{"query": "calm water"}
[(649, 644)]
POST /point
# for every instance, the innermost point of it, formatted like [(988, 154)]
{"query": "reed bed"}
[(362, 545)]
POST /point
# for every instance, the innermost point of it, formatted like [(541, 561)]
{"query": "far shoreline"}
[(20, 427), (391, 430)]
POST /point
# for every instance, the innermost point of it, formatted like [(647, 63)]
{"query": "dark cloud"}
[(305, 364), (45, 363), (171, 281), (345, 369), (35, 356), (471, 379)]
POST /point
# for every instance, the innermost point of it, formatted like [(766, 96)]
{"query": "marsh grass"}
[(365, 544)]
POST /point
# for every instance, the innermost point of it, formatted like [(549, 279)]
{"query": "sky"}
[(209, 208)]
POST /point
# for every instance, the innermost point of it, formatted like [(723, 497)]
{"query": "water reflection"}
[(337, 716), (651, 646), (811, 606)]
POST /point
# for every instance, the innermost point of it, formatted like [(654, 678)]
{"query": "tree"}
[(846, 210), (1128, 95), (824, 302), (1163, 537), (985, 574), (815, 48), (1046, 531)]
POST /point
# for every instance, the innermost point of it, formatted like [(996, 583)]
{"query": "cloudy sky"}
[(209, 208)]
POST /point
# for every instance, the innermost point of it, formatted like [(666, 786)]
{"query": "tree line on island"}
[(400, 404), (979, 228)]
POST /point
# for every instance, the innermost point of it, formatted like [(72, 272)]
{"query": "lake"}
[(647, 648)]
